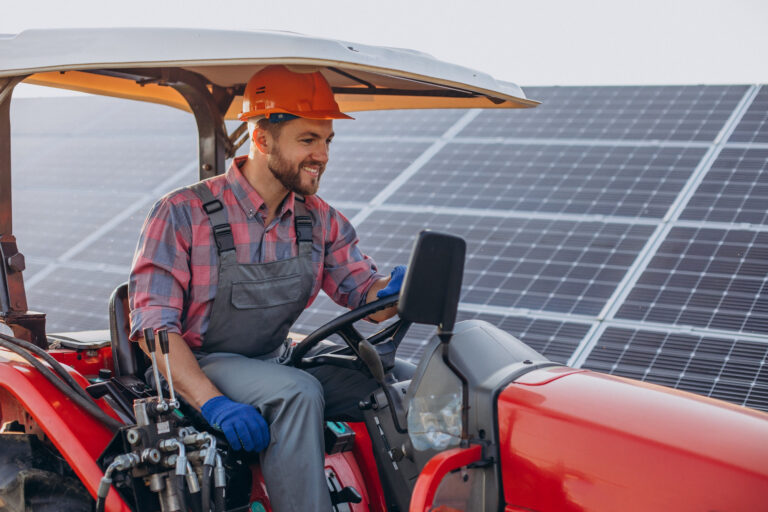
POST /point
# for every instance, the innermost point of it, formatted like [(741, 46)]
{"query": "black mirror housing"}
[(432, 284)]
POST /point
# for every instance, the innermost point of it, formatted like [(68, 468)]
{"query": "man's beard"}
[(290, 177)]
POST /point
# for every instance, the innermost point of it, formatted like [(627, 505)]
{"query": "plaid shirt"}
[(174, 274)]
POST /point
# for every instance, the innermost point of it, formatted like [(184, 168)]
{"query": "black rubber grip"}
[(162, 335), (149, 337)]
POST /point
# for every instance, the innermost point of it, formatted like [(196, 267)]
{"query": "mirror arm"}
[(445, 338), (396, 406)]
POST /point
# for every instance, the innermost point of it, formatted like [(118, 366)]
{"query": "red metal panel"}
[(349, 475), (77, 435), (86, 362), (343, 465), (363, 452), (587, 441)]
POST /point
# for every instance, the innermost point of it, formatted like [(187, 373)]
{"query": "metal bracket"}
[(209, 104), (12, 297), (237, 138)]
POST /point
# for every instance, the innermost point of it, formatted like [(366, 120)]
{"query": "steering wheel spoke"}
[(351, 336), (344, 327)]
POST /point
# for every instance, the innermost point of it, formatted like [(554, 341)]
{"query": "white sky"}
[(538, 42)]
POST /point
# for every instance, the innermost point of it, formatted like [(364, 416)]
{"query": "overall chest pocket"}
[(266, 293)]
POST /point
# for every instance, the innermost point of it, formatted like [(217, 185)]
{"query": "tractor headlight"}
[(434, 421)]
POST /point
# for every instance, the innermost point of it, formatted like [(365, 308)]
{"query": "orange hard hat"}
[(277, 90)]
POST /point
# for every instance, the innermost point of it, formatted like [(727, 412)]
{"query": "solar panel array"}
[(621, 229)]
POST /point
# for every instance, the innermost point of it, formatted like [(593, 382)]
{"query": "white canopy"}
[(108, 61)]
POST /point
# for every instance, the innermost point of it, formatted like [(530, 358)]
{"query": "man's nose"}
[(321, 153)]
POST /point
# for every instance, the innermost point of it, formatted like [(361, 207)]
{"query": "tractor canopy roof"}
[(205, 72), (141, 64)]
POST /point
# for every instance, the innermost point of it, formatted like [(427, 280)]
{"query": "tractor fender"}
[(26, 394)]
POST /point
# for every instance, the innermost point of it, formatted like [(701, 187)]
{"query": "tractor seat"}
[(127, 356), (129, 360)]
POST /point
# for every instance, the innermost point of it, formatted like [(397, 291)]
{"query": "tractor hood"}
[(119, 62)]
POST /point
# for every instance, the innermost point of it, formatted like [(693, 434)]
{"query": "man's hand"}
[(242, 424), (384, 288), (395, 282)]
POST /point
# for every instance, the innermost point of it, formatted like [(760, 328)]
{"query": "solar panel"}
[(106, 164), (754, 125), (661, 113), (596, 180), (713, 278), (731, 369), (358, 172), (49, 222), (735, 190), (623, 229), (404, 124), (75, 299), (568, 267)]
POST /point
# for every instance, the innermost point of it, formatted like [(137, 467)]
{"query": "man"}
[(228, 264)]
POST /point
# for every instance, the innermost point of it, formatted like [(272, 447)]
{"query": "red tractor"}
[(486, 423)]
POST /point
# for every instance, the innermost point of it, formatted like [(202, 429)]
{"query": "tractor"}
[(486, 422)]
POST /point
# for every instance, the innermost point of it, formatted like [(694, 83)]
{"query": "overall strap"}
[(302, 221), (217, 216), (222, 232)]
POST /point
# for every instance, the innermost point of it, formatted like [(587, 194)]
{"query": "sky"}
[(537, 42)]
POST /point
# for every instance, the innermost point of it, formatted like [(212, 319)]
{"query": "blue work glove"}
[(395, 282), (242, 424)]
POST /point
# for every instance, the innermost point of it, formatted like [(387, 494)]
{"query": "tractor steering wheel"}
[(388, 339)]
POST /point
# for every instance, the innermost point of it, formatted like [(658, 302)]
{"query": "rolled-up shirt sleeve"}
[(160, 271), (348, 273)]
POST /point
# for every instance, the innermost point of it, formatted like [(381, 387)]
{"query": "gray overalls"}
[(254, 307)]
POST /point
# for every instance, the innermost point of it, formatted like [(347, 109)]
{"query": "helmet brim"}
[(318, 114)]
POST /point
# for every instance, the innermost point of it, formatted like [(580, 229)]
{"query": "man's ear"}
[(262, 140)]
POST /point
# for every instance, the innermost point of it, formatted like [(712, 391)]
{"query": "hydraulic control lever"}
[(164, 347), (149, 338)]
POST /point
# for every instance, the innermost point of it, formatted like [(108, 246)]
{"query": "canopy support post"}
[(25, 324)]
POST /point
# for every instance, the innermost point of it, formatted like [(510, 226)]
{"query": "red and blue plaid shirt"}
[(174, 274)]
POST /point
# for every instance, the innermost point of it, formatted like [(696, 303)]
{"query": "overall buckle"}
[(303, 229), (222, 233)]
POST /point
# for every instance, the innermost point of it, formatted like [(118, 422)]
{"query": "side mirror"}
[(432, 284)]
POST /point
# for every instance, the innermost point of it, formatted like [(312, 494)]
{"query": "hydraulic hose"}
[(219, 502), (220, 486), (88, 404), (205, 487), (121, 463), (57, 366), (194, 490), (181, 493), (208, 462)]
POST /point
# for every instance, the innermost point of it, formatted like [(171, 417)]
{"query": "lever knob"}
[(149, 337), (162, 335)]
